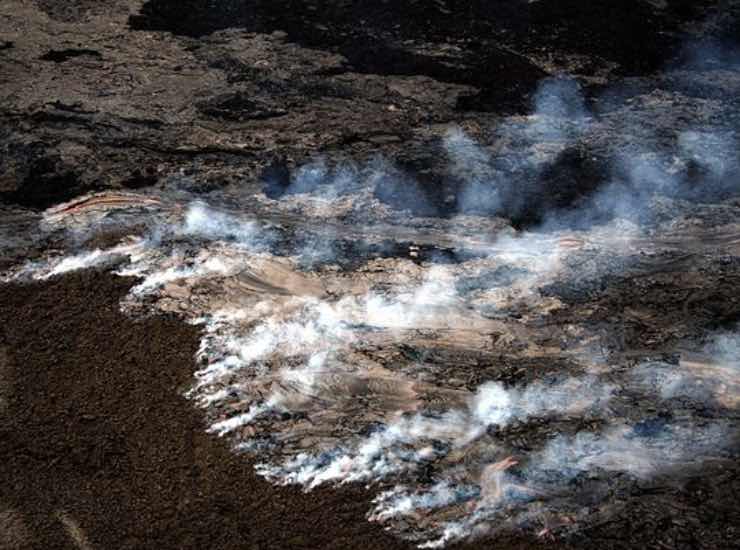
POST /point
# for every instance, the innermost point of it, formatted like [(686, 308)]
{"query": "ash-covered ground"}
[(370, 274)]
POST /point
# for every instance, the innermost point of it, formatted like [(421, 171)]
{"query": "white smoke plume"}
[(407, 442), (200, 220), (342, 376), (501, 183)]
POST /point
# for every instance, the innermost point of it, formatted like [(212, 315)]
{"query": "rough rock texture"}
[(226, 101), (119, 94), (107, 440)]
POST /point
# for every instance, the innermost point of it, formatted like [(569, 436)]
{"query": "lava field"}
[(358, 274)]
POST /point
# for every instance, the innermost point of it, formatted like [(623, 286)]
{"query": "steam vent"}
[(369, 274)]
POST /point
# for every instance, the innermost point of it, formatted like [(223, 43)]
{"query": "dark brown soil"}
[(97, 429)]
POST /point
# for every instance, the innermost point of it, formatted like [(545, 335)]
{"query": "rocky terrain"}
[(360, 274)]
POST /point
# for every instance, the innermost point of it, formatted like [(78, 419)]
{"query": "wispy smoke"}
[(200, 220), (394, 369), (506, 182), (410, 441)]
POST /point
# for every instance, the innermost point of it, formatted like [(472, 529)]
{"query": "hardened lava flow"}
[(494, 391), (370, 275)]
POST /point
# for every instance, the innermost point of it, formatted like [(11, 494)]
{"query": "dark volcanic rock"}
[(203, 96), (238, 107), (217, 90), (75, 10), (32, 176), (633, 34), (60, 56)]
